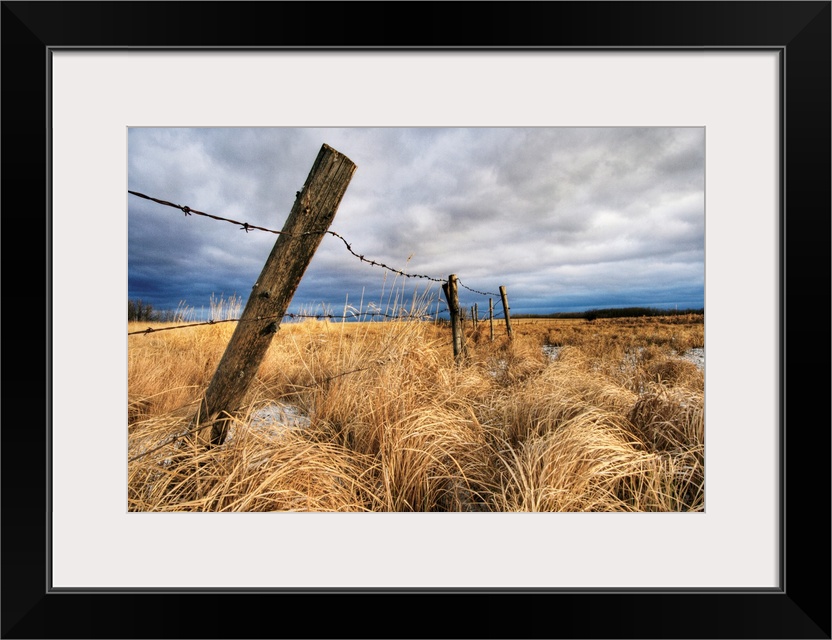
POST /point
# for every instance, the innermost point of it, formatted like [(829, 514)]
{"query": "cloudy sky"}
[(567, 219)]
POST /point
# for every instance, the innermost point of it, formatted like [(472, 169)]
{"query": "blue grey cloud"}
[(565, 218)]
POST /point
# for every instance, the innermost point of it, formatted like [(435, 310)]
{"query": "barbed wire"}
[(376, 263), (316, 316), (249, 227), (482, 293), (182, 326), (319, 316), (174, 438), (322, 316), (171, 440), (188, 211)]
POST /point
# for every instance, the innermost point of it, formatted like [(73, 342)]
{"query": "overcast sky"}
[(567, 219)]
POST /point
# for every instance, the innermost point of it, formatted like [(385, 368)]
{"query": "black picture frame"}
[(800, 608)]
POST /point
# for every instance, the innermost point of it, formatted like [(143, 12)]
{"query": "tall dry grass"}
[(388, 421)]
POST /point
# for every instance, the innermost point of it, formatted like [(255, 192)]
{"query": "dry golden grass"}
[(391, 423)]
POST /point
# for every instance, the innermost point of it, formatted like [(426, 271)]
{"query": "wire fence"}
[(245, 226), (316, 316)]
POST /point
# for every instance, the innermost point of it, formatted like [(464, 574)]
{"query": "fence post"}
[(475, 314), (491, 316), (450, 290), (504, 299), (308, 221)]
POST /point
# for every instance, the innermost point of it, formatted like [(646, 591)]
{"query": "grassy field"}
[(380, 419)]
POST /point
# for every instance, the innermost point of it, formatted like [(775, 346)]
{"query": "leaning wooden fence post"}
[(308, 222), (491, 317), (450, 290), (504, 300)]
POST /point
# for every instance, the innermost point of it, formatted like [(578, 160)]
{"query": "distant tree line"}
[(140, 311), (625, 312), (637, 312)]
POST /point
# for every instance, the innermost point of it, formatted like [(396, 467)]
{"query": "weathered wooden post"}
[(475, 315), (450, 290), (308, 221), (504, 299), (491, 316)]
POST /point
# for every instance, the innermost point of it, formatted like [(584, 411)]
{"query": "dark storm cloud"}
[(574, 217)]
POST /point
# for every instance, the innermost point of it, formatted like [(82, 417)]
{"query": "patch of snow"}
[(274, 420), (696, 356), (552, 351), (277, 412)]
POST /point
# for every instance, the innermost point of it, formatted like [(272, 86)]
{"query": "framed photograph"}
[(753, 78)]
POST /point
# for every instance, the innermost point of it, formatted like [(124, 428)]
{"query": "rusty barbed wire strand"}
[(376, 263), (248, 227), (482, 293), (172, 439), (323, 316), (188, 211), (316, 316), (181, 326), (320, 316)]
